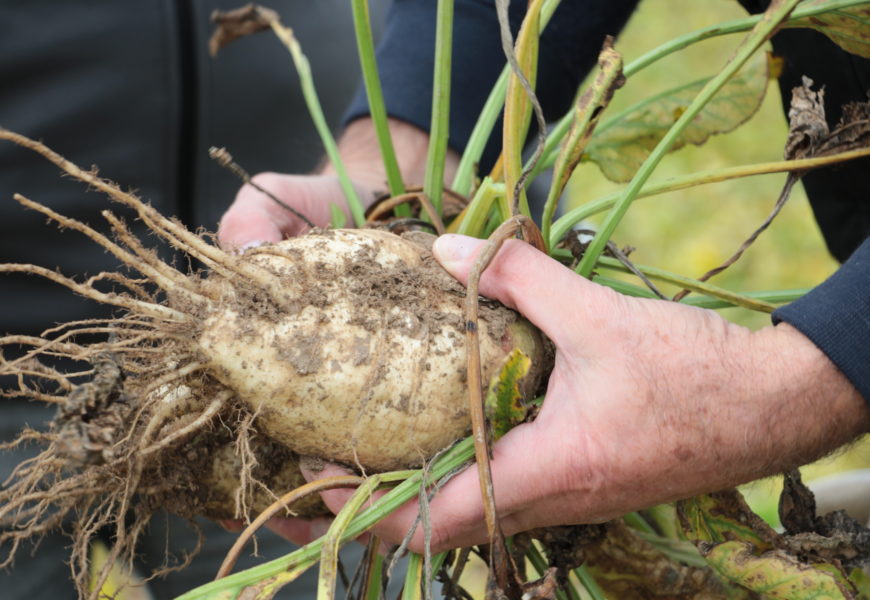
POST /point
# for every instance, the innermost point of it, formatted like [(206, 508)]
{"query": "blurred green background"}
[(692, 231)]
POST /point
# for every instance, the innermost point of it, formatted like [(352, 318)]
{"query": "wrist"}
[(819, 409)]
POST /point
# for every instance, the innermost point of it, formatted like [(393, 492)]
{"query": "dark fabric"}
[(840, 194), (129, 86), (836, 317), (569, 48)]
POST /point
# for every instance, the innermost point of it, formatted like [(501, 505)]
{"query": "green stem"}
[(729, 27), (369, 65), (771, 20), (769, 296), (334, 536), (589, 583), (439, 131), (476, 216), (413, 586), (306, 80), (681, 182), (464, 178), (701, 287), (230, 586), (375, 571)]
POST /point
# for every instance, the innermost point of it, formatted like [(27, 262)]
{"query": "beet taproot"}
[(346, 345)]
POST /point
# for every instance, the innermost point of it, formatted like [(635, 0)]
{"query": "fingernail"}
[(250, 245), (452, 249)]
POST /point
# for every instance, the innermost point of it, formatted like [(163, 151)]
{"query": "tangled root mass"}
[(141, 426)]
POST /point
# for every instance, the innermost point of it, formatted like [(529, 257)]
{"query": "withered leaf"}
[(621, 144), (849, 28), (775, 573), (806, 118), (627, 566), (240, 22)]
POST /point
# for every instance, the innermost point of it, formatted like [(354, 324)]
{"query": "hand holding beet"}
[(648, 402)]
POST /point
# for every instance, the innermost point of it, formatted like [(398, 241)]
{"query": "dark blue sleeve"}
[(569, 48), (836, 317)]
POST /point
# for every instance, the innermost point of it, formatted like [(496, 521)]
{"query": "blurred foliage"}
[(692, 231)]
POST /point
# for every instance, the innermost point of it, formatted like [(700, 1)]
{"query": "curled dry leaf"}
[(234, 24)]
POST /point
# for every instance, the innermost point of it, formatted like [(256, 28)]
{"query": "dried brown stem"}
[(500, 559), (222, 157), (780, 202), (283, 503), (386, 206)]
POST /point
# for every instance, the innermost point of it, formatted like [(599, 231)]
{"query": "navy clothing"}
[(569, 49), (836, 314), (836, 317)]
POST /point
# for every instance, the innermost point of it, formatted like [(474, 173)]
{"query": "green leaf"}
[(849, 28), (744, 549), (775, 573), (504, 400), (625, 565), (587, 112), (722, 516), (518, 107), (624, 142), (861, 581)]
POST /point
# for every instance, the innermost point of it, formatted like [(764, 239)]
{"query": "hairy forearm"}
[(774, 402), (818, 409)]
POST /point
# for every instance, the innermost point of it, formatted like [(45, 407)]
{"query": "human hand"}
[(254, 218), (649, 401)]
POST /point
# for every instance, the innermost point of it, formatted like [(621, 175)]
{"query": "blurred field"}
[(694, 230)]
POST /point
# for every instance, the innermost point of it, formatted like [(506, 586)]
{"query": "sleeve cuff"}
[(835, 316)]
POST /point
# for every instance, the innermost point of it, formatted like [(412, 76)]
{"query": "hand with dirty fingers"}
[(649, 401)]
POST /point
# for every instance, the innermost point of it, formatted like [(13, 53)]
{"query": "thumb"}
[(525, 279)]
